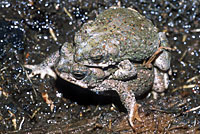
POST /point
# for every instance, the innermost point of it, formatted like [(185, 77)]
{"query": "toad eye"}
[(79, 71), (96, 55)]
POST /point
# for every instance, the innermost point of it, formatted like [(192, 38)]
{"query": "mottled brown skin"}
[(108, 55)]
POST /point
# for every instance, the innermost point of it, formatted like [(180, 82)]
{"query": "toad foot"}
[(134, 115), (40, 70)]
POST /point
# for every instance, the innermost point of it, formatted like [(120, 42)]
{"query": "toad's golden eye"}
[(96, 55)]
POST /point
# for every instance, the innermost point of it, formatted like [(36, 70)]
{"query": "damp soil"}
[(31, 30)]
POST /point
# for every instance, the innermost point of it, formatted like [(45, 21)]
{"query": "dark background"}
[(25, 38)]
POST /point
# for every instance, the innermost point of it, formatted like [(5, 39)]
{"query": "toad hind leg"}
[(162, 53)]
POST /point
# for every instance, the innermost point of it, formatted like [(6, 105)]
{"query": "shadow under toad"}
[(86, 97)]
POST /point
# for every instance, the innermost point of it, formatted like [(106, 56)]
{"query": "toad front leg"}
[(126, 70), (65, 54), (44, 68), (127, 98), (126, 95)]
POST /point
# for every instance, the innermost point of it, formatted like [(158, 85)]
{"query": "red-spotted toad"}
[(109, 54)]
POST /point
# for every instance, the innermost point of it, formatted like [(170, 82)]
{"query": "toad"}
[(109, 54)]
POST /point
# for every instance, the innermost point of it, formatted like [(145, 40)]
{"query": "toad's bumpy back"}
[(130, 34)]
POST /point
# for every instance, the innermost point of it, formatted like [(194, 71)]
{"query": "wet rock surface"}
[(30, 31)]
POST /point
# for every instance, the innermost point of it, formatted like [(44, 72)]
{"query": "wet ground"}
[(31, 30)]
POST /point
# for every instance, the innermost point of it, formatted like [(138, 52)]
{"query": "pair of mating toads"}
[(120, 50)]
